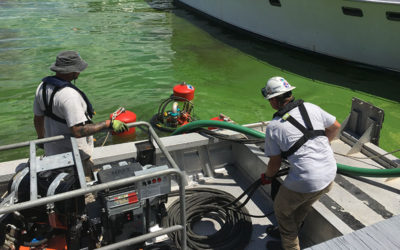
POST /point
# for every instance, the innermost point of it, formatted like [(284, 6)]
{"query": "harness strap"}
[(308, 132), (305, 116), (48, 107)]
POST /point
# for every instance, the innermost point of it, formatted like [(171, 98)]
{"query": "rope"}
[(368, 157), (245, 140), (116, 113), (206, 132)]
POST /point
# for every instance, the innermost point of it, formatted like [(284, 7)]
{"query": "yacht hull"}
[(361, 31)]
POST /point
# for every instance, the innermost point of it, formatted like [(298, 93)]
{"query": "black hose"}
[(252, 189), (232, 215), (236, 226), (249, 191), (158, 125)]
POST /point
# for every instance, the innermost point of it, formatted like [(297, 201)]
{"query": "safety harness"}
[(58, 85), (308, 131)]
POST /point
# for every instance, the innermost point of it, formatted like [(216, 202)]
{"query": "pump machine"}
[(181, 109), (89, 221)]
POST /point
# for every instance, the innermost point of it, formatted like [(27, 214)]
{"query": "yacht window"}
[(394, 16), (352, 11), (275, 3)]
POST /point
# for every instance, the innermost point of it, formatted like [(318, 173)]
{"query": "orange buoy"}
[(184, 90), (126, 117)]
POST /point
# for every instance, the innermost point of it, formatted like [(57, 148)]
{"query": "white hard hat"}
[(276, 86)]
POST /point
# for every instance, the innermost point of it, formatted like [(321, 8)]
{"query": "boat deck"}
[(362, 209), (361, 201), (354, 204), (232, 181)]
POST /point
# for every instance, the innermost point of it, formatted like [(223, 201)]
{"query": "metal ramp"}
[(361, 130)]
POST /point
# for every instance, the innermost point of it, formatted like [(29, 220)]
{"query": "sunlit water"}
[(138, 50)]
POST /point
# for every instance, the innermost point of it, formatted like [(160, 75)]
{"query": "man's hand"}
[(332, 131), (265, 179), (118, 126), (38, 122)]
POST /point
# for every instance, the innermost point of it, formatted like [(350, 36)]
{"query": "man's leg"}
[(285, 204), (306, 207), (88, 168)]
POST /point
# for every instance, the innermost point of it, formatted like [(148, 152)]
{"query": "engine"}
[(128, 211), (89, 221)]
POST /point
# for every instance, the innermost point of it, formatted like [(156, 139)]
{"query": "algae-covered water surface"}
[(138, 50)]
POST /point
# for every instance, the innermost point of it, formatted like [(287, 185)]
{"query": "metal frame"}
[(363, 124), (113, 184), (35, 167)]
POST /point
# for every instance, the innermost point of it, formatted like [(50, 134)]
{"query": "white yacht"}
[(361, 31)]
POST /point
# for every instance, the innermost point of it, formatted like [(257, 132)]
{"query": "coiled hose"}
[(342, 169), (222, 207)]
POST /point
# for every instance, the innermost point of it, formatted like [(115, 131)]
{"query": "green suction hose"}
[(342, 169), (211, 123), (368, 172)]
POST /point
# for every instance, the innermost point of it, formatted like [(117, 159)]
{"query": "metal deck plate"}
[(382, 235)]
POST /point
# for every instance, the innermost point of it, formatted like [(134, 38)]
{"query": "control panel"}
[(132, 196)]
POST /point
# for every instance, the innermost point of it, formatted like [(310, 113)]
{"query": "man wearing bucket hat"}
[(301, 133), (61, 108)]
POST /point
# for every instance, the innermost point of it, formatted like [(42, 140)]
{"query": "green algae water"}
[(138, 50)]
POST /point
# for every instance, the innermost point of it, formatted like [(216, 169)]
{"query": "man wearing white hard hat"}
[(301, 133)]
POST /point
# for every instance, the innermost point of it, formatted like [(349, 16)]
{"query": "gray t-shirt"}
[(68, 104), (313, 165)]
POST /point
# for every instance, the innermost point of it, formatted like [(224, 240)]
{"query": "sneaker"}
[(273, 231), (274, 245), (89, 198)]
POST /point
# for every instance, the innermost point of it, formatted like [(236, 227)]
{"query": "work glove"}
[(265, 179), (118, 126)]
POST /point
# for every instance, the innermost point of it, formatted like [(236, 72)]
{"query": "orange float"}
[(125, 116), (184, 90)]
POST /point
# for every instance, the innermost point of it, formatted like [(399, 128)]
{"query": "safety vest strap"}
[(59, 84), (48, 107), (308, 131)]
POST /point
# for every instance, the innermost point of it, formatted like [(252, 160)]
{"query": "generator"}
[(128, 211), (89, 221)]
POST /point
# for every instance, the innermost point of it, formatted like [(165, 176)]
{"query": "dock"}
[(382, 235)]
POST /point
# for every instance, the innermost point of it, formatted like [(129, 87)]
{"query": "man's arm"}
[(38, 121), (332, 130), (274, 165), (89, 129)]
